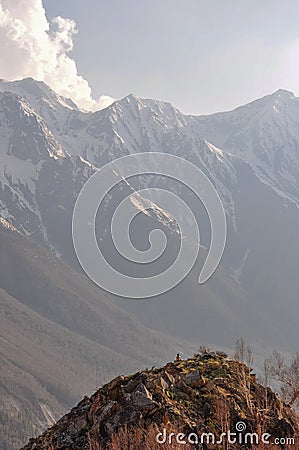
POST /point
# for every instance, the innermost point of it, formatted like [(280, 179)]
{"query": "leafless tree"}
[(243, 352), (204, 349), (287, 375)]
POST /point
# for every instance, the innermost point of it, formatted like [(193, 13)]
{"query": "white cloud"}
[(33, 47)]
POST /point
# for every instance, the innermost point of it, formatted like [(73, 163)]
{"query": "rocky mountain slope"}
[(49, 148), (202, 397), (60, 337)]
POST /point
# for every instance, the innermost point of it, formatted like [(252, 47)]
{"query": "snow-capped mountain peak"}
[(53, 108), (282, 93), (263, 133), (23, 132), (281, 100), (35, 91)]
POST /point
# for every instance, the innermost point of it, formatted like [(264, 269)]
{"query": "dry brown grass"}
[(139, 439)]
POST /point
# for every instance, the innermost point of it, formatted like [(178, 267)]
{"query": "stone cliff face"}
[(215, 402)]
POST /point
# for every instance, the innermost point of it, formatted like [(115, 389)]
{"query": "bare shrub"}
[(287, 375), (243, 352), (139, 438)]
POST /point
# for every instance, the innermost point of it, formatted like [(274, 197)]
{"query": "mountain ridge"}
[(49, 149)]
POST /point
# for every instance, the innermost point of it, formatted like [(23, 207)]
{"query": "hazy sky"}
[(201, 56)]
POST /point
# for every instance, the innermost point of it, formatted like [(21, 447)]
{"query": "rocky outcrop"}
[(205, 394)]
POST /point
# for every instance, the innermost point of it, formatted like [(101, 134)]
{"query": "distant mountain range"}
[(48, 150)]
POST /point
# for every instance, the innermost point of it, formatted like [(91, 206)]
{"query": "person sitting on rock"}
[(178, 357)]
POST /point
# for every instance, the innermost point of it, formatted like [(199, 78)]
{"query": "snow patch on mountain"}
[(16, 172), (49, 148)]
